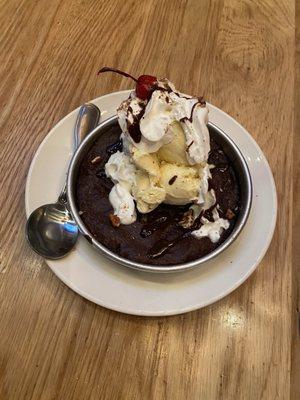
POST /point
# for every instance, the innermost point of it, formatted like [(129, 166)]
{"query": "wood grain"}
[(56, 345), (295, 386)]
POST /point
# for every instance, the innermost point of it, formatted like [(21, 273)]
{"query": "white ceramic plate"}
[(119, 288)]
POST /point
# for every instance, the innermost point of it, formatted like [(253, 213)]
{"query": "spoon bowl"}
[(51, 230)]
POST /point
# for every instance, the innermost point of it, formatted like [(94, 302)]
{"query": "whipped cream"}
[(123, 204), (158, 116), (206, 198), (210, 229), (122, 172), (197, 135), (120, 169)]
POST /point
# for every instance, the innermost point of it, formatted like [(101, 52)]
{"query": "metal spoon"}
[(50, 229)]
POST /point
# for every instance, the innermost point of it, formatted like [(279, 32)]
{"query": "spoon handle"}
[(62, 198), (87, 119)]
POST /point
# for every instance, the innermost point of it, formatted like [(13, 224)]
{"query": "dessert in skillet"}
[(156, 188)]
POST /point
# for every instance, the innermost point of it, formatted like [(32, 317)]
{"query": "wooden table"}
[(53, 343)]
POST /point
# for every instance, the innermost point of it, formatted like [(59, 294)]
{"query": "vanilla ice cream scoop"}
[(175, 150), (146, 162), (181, 183), (147, 192)]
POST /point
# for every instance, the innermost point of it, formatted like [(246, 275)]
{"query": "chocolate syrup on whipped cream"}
[(200, 101), (156, 237), (134, 128)]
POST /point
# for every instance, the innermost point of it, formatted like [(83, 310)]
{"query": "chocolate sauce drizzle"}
[(201, 102), (152, 227), (134, 128), (163, 246), (188, 147), (172, 180)]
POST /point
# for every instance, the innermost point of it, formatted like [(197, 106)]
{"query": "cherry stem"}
[(107, 69)]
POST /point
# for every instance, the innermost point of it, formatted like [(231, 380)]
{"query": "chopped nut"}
[(96, 160), (114, 219), (230, 214), (190, 216), (187, 220), (80, 212)]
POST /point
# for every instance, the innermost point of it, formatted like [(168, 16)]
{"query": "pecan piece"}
[(96, 160), (187, 219), (114, 220), (230, 214)]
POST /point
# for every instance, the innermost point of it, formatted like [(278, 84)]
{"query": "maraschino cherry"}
[(145, 84)]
